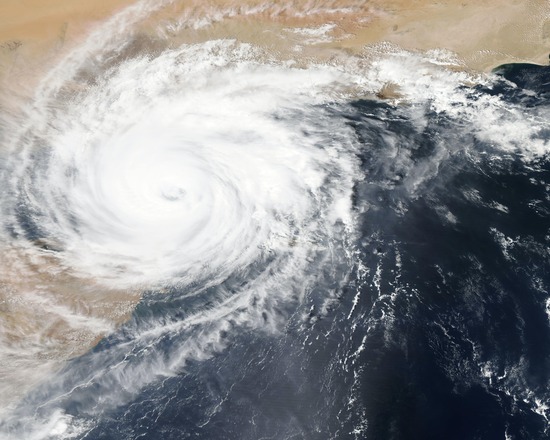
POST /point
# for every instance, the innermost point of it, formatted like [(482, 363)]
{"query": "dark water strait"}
[(430, 321)]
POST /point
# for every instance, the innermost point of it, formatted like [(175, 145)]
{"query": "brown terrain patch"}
[(485, 33)]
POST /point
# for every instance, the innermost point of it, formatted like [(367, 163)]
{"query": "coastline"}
[(484, 34)]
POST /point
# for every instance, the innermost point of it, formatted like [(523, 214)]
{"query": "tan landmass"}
[(35, 34), (48, 316), (484, 33)]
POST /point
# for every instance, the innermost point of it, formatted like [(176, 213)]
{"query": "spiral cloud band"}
[(175, 170), (208, 170)]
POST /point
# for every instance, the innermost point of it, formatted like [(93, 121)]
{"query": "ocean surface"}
[(316, 262)]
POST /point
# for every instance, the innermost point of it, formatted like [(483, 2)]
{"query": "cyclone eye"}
[(173, 193)]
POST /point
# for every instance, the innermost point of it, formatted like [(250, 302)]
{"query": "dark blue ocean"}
[(440, 332)]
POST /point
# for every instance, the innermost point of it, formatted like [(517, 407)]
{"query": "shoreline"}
[(483, 34)]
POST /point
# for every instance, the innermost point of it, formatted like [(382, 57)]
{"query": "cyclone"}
[(167, 173), (241, 222), (210, 172)]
